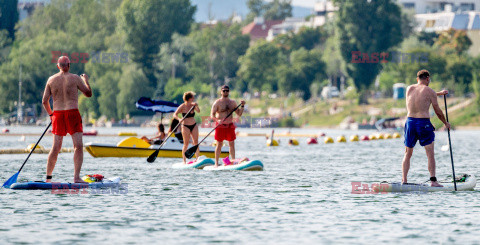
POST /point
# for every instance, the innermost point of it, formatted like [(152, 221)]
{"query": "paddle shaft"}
[(50, 124), (450, 144), (229, 114), (170, 134)]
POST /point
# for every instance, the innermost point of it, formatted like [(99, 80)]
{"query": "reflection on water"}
[(303, 196)]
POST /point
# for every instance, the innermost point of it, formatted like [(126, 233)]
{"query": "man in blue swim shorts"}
[(418, 126)]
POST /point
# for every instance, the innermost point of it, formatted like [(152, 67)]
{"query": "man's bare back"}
[(419, 99), (63, 87)]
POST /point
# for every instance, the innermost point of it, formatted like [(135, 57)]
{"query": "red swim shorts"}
[(67, 121), (225, 132)]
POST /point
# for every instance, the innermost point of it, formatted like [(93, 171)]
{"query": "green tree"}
[(455, 41), (258, 65), (305, 68), (404, 70), (367, 27), (149, 23), (461, 75), (332, 57), (273, 10), (172, 61), (306, 37), (5, 42), (8, 16), (89, 107), (132, 85), (476, 88), (256, 9), (215, 60), (428, 37), (408, 22), (53, 16), (107, 86), (34, 56), (278, 10)]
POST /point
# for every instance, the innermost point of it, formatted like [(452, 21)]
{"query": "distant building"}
[(259, 28), (436, 22), (443, 21), (324, 10), (435, 6), (289, 25)]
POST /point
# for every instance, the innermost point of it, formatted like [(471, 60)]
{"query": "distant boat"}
[(387, 123)]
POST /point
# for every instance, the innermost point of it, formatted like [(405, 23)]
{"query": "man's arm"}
[(240, 110), (438, 111), (213, 112), (84, 86), (443, 92), (46, 99)]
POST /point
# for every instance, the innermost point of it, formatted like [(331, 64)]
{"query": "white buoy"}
[(22, 138)]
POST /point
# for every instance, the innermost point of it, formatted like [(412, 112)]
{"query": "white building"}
[(324, 10), (289, 25), (437, 22), (435, 6)]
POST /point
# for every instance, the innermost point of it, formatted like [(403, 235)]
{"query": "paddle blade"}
[(11, 181), (152, 157), (190, 152)]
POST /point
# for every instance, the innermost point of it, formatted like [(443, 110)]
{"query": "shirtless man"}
[(418, 125), (220, 109), (63, 88)]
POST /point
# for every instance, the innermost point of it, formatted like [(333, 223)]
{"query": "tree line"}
[(168, 53)]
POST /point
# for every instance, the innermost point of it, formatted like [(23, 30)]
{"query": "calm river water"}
[(302, 197)]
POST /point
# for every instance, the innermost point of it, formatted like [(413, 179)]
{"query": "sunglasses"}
[(225, 90)]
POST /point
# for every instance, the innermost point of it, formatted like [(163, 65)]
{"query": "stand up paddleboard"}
[(465, 182), (254, 165), (200, 164), (40, 185)]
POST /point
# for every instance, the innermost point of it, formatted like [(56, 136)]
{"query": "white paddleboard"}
[(467, 182)]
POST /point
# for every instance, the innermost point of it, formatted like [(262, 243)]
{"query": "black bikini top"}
[(189, 115)]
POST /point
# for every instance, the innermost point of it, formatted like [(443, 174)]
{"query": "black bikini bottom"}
[(190, 127)]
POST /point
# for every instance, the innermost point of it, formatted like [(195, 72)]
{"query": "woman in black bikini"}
[(189, 125)]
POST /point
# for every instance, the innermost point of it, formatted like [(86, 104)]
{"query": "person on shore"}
[(220, 109), (189, 125), (157, 140), (418, 126), (63, 88)]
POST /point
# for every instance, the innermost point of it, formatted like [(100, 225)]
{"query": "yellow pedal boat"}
[(135, 147)]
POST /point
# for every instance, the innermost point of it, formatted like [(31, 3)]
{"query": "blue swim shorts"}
[(420, 129)]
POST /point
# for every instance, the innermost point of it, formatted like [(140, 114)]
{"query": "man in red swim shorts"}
[(63, 88), (220, 109)]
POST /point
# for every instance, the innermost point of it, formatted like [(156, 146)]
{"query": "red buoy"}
[(312, 140)]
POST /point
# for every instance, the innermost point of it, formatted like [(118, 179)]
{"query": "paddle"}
[(154, 155), (450, 143), (191, 151), (13, 179)]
